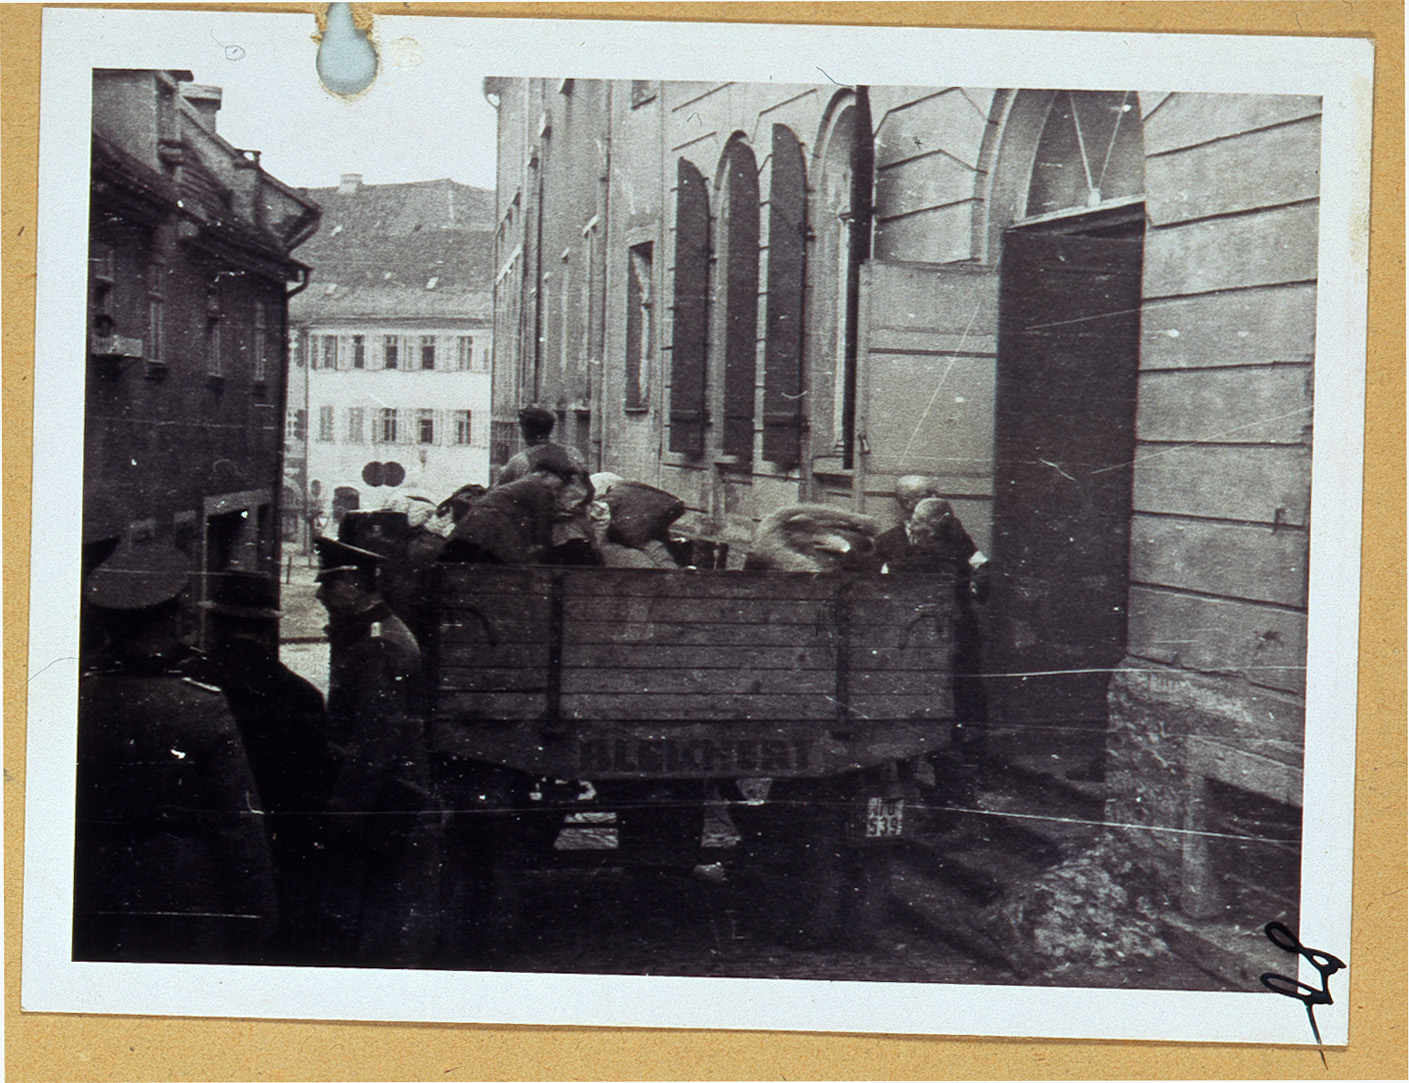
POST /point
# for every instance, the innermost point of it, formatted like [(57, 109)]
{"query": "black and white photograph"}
[(871, 516)]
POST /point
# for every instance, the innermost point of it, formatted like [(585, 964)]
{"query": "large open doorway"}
[(1068, 352), (1069, 302)]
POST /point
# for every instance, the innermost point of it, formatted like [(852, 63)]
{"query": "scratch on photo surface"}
[(953, 356), (1206, 438)]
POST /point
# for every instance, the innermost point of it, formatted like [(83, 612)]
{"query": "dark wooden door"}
[(1068, 348)]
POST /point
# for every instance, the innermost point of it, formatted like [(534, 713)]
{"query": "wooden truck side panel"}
[(626, 673)]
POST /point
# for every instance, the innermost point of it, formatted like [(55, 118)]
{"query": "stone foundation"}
[(1182, 748)]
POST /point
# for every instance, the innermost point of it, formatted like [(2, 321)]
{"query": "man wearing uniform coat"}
[(171, 860), (284, 726), (380, 882)]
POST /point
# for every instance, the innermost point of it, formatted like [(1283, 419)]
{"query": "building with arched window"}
[(1088, 315)]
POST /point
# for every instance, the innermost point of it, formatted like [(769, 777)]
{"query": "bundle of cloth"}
[(813, 538), (631, 522), (557, 514), (540, 518)]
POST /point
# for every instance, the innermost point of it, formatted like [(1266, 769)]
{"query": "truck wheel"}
[(820, 902), (817, 890), (811, 874), (842, 896)]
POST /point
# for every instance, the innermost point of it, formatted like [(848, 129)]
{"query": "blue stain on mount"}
[(347, 61)]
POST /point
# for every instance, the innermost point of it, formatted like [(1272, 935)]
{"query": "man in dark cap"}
[(171, 861), (282, 721), (380, 881), (536, 425)]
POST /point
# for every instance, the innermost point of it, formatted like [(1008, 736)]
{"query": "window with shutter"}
[(156, 311), (261, 342), (691, 311), (787, 252)]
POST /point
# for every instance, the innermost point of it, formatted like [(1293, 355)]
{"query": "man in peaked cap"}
[(139, 577), (380, 873), (171, 863), (282, 720)]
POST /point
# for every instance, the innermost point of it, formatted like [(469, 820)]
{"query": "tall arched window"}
[(833, 256), (690, 311), (787, 254), (738, 261)]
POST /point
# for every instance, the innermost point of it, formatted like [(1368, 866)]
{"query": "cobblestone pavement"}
[(303, 647), (303, 616), (309, 661)]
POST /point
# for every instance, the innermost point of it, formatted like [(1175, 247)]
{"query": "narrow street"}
[(303, 646), (617, 921)]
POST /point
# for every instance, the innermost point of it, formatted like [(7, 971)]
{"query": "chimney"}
[(205, 100), (349, 184)]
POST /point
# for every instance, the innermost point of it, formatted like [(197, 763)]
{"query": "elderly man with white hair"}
[(921, 539), (931, 539)]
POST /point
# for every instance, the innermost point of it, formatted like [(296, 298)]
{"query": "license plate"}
[(884, 819)]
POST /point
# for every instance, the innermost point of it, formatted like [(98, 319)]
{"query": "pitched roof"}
[(390, 303), (419, 249)]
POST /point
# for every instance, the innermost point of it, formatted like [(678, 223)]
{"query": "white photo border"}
[(75, 41)]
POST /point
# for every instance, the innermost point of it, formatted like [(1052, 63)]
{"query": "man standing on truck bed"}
[(381, 858), (536, 425), (929, 539)]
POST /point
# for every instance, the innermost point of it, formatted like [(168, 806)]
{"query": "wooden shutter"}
[(787, 253), (691, 309), (741, 300)]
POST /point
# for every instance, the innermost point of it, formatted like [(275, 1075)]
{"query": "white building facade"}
[(393, 409), (390, 389)]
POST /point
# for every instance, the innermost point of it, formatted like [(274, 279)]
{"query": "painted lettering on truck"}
[(673, 756)]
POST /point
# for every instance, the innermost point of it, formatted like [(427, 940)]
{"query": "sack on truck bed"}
[(511, 524), (640, 513), (813, 538)]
